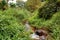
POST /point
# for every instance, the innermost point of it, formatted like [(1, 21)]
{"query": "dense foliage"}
[(48, 10), (10, 25), (32, 5), (12, 28), (3, 5)]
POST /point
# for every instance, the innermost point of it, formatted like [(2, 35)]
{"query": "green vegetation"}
[(48, 10), (3, 5), (11, 27), (32, 5)]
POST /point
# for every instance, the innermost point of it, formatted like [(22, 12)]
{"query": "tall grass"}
[(11, 27)]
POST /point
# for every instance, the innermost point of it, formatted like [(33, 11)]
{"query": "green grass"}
[(11, 27)]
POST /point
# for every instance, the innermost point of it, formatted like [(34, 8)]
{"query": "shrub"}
[(3, 5), (32, 5), (48, 10)]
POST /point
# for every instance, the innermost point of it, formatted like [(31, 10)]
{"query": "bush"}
[(32, 5), (3, 5), (48, 10)]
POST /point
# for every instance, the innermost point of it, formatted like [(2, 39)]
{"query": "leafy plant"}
[(48, 10), (10, 27), (32, 5), (3, 5)]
